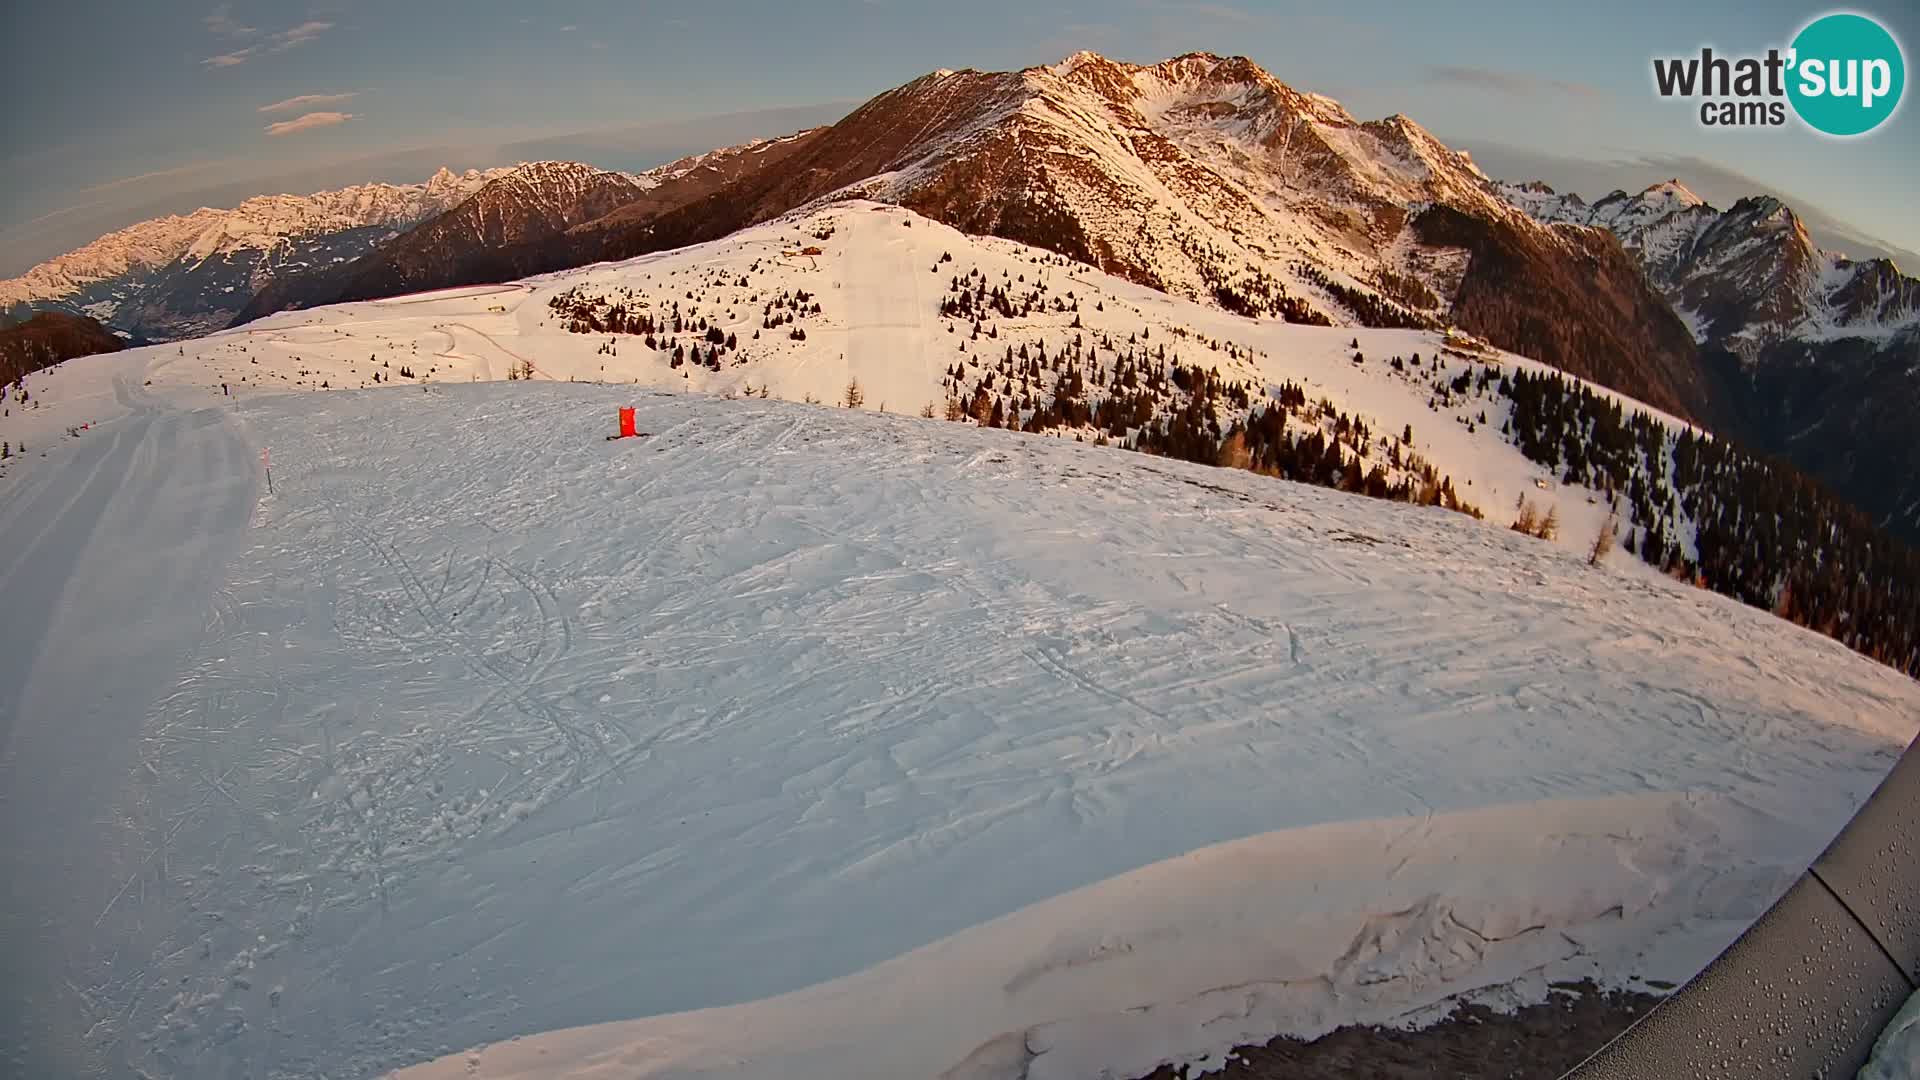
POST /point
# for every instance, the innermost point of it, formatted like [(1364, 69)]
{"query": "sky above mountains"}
[(146, 109)]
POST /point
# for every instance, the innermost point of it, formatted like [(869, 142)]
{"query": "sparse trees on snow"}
[(1603, 540), (1234, 453), (1535, 524)]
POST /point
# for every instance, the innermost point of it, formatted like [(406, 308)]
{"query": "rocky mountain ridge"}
[(186, 274)]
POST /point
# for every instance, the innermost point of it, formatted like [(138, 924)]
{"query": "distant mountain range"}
[(188, 274), (494, 235), (1202, 176), (1814, 356), (1746, 277), (514, 225)]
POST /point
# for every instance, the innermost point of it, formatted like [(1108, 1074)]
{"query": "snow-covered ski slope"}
[(502, 727), (792, 740), (879, 281)]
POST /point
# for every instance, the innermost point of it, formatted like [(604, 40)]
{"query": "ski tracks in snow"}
[(504, 727), (115, 554)]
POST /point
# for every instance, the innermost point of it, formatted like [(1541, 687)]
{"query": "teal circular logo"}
[(1847, 75)]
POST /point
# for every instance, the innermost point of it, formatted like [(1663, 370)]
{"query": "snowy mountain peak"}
[(1745, 277), (1196, 80), (187, 273), (1231, 108), (552, 169), (1672, 191), (498, 233), (1771, 213), (1206, 67), (555, 185), (1200, 175), (1079, 59), (446, 187)]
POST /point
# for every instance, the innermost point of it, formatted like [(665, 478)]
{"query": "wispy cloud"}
[(1508, 83), (568, 29), (310, 101), (291, 38), (228, 59), (299, 35), (308, 122), (220, 20), (103, 189)]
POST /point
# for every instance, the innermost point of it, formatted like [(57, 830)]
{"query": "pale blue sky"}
[(116, 108)]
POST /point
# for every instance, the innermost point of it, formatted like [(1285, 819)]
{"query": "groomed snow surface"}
[(980, 748), (797, 741)]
